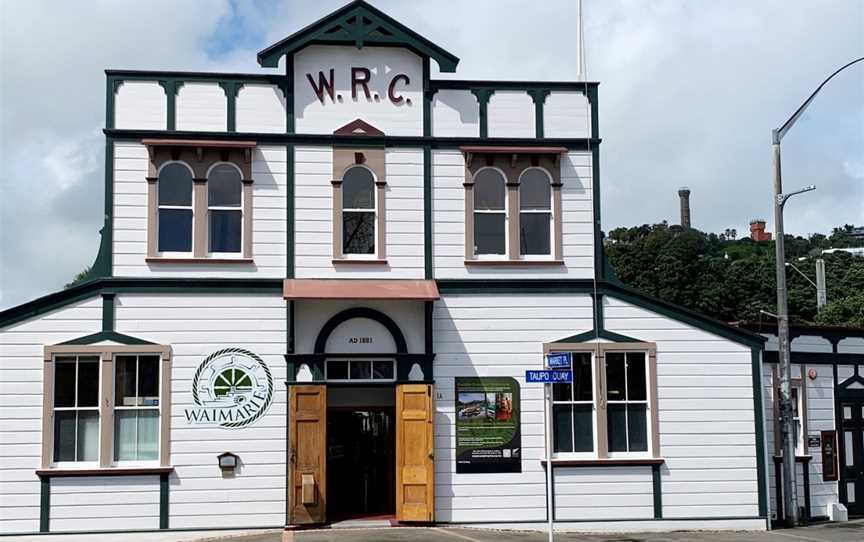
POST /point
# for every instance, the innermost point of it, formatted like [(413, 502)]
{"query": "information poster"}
[(488, 438)]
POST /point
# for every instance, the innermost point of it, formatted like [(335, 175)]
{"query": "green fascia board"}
[(334, 29), (351, 140), (112, 336), (92, 288), (463, 84), (454, 286)]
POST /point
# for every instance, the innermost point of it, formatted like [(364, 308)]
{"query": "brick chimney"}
[(684, 195), (757, 230)]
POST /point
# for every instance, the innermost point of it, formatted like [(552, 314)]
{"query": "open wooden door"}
[(415, 472), (307, 454)]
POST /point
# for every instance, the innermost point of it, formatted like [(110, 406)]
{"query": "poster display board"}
[(488, 437)]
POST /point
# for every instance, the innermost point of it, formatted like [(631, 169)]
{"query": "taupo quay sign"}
[(548, 377), (232, 388)]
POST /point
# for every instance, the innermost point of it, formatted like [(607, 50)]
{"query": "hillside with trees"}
[(733, 279)]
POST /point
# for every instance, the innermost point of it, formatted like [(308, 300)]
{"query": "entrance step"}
[(365, 523)]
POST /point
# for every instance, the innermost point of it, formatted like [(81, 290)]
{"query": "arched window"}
[(358, 211), (490, 212), (224, 206), (174, 187), (535, 212)]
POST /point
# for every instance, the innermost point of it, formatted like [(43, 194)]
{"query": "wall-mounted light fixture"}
[(228, 462)]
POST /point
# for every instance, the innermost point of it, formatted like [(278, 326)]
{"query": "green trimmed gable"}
[(358, 24)]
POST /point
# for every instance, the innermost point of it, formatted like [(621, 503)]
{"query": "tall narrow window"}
[(490, 212), (175, 208), (627, 401), (136, 408), (535, 213), (76, 408), (573, 408), (224, 206), (358, 211)]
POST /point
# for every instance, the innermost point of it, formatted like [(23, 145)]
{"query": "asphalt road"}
[(828, 532)]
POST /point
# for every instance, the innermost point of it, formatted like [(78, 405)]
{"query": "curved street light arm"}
[(780, 132)]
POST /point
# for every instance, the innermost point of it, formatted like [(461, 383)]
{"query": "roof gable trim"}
[(358, 24)]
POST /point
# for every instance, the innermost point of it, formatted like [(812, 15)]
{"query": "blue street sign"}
[(558, 359), (549, 377)]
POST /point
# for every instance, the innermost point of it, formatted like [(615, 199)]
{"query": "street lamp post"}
[(790, 487)]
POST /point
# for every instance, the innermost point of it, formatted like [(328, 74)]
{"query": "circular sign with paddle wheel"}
[(232, 388)]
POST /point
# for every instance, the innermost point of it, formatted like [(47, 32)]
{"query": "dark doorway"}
[(852, 446), (361, 462)]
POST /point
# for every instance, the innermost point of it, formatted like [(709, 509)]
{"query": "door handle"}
[(431, 455)]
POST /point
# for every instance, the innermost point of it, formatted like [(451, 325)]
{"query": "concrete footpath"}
[(826, 532)]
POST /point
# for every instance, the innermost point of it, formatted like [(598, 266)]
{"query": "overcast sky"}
[(689, 93)]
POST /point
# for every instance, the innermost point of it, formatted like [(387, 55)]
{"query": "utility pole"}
[(821, 288), (790, 486)]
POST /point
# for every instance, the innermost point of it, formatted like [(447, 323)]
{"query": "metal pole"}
[(790, 486), (547, 403), (821, 288)]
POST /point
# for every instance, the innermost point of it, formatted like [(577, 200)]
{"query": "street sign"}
[(558, 359), (549, 377)]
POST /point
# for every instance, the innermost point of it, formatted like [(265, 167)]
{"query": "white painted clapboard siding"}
[(260, 109), (104, 503), (511, 114), (705, 406), (202, 107), (140, 105), (196, 326), (485, 335), (268, 218), (455, 113), (404, 210), (21, 351), (566, 114), (448, 215)]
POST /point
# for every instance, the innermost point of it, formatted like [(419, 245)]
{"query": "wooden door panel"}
[(415, 474), (307, 454)]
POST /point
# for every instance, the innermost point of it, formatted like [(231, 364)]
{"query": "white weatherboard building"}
[(317, 295)]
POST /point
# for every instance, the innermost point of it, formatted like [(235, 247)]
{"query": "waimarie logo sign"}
[(232, 388)]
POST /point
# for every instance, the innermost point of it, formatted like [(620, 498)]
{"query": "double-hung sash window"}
[(136, 408), (175, 219), (225, 209), (76, 409), (535, 213), (626, 402), (106, 405), (609, 410), (358, 211), (573, 408), (490, 212)]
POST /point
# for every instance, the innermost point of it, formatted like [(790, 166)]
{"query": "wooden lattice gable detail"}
[(358, 24)]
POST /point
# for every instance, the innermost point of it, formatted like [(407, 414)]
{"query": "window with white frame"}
[(175, 214), (358, 211), (609, 410), (225, 209), (136, 407), (76, 408), (797, 421), (490, 212), (535, 212)]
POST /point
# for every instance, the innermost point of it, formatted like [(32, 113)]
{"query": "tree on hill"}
[(733, 279)]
